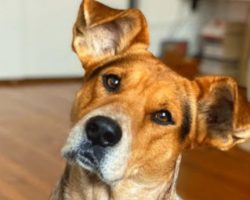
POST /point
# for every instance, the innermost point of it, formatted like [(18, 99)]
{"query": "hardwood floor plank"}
[(25, 183), (9, 192), (34, 159)]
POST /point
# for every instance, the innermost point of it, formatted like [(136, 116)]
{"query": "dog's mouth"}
[(87, 160), (86, 156)]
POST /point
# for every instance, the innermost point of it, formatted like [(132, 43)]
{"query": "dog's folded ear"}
[(223, 115), (100, 33)]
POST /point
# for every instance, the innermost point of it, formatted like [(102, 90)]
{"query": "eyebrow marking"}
[(187, 120), (98, 69)]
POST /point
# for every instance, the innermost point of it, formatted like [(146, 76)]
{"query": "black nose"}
[(103, 131)]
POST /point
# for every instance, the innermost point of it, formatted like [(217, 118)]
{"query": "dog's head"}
[(133, 116)]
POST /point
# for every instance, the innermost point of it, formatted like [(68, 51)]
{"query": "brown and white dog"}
[(134, 116)]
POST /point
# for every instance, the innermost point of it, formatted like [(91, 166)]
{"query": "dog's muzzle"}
[(100, 143), (102, 134)]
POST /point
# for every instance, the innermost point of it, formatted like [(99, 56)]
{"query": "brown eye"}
[(111, 82), (162, 117)]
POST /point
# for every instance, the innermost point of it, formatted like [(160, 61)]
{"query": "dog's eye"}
[(162, 117), (111, 82)]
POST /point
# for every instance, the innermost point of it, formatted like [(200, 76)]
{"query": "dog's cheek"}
[(154, 152)]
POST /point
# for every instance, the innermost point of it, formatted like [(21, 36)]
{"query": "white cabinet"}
[(35, 38)]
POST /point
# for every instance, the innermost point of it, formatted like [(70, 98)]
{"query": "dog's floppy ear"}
[(223, 114), (100, 32)]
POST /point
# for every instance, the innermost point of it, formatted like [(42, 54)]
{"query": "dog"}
[(133, 116)]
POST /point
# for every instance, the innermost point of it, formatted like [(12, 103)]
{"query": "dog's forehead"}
[(144, 64), (150, 69)]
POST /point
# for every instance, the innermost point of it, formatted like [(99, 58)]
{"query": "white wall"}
[(47, 38), (35, 38), (35, 35), (10, 38)]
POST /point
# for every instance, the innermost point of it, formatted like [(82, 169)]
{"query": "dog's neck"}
[(77, 184)]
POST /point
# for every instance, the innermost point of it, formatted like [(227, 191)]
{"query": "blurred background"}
[(39, 75)]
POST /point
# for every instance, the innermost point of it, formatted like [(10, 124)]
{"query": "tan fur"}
[(118, 39)]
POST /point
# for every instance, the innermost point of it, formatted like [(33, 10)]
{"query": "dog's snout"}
[(103, 131)]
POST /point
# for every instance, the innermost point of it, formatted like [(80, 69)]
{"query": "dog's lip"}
[(89, 156), (88, 159), (86, 163)]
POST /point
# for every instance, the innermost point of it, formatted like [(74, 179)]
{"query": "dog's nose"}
[(103, 131)]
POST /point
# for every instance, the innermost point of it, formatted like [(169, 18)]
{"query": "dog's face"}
[(133, 116)]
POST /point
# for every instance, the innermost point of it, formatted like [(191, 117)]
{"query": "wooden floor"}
[(34, 123)]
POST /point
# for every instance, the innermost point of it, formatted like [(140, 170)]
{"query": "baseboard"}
[(39, 81)]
